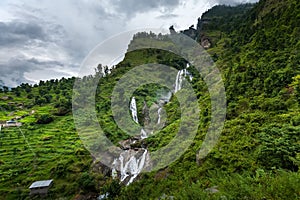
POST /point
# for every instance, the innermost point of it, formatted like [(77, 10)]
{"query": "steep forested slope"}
[(258, 54)]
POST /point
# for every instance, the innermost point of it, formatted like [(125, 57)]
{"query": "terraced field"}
[(32, 153)]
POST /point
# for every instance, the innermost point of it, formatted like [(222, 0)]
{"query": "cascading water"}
[(132, 165), (114, 173), (133, 110), (131, 162), (188, 73), (144, 134), (179, 78), (158, 113)]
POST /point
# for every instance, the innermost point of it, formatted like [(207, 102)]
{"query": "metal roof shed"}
[(40, 187)]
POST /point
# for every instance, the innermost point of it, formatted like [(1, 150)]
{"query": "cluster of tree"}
[(223, 18), (55, 92), (152, 35)]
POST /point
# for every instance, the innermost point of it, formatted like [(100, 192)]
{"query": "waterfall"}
[(188, 73), (133, 110), (143, 134), (166, 98), (158, 113), (114, 173), (131, 162), (137, 166), (178, 81), (180, 76)]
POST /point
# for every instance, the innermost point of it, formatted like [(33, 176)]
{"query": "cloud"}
[(29, 44), (18, 70), (167, 16), (28, 48), (133, 7), (18, 32), (40, 39), (234, 2), (13, 71)]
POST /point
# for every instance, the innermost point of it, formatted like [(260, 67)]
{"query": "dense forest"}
[(256, 48)]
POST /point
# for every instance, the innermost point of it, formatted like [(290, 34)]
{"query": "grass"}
[(46, 152)]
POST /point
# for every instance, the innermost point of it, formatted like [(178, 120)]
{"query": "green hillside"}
[(255, 46)]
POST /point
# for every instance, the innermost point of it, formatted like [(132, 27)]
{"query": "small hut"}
[(11, 122), (40, 187)]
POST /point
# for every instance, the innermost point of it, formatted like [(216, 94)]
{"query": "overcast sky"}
[(50, 38)]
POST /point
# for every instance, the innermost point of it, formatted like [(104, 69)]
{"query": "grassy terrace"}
[(51, 151)]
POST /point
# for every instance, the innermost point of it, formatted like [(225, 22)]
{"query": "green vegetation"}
[(255, 46), (258, 154), (46, 146)]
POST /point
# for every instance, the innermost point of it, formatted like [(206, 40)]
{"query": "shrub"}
[(87, 182), (44, 119), (279, 147)]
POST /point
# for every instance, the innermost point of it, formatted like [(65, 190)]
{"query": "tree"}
[(44, 119), (113, 189), (296, 85), (87, 182), (5, 89), (279, 147)]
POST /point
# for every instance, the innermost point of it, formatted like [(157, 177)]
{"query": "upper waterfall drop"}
[(159, 116), (133, 110), (178, 82), (180, 76)]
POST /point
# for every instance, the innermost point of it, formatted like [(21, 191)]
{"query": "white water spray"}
[(144, 134), (158, 113), (178, 81), (133, 110), (131, 164)]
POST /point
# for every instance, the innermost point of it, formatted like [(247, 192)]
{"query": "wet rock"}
[(100, 167), (125, 144), (145, 113)]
